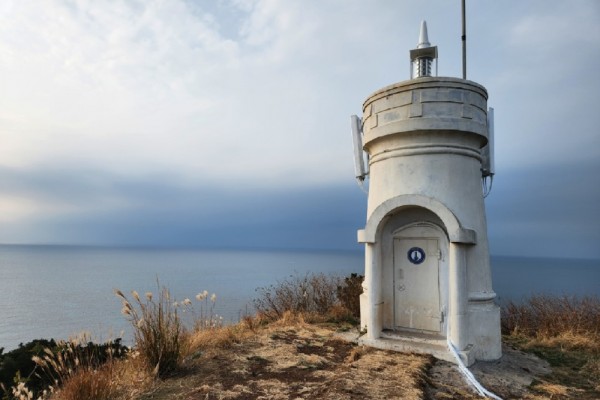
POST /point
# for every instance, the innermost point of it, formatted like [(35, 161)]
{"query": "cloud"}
[(536, 212), (538, 77), (114, 210), (134, 113), (157, 86), (549, 211)]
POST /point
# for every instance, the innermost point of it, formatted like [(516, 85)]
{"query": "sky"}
[(225, 123)]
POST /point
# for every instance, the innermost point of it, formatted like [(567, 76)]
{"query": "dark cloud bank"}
[(543, 211), (213, 217), (531, 212), (159, 211)]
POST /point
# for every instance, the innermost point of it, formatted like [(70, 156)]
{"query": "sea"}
[(61, 291)]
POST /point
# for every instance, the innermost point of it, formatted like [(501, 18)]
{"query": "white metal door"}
[(416, 283)]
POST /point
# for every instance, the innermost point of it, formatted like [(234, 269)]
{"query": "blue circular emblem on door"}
[(416, 255)]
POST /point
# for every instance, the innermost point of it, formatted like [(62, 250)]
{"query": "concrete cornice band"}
[(430, 82), (456, 233), (426, 104), (416, 150)]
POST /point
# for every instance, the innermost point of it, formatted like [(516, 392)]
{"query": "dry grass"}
[(290, 359), (552, 390), (223, 337), (78, 369), (280, 354), (544, 316), (355, 354), (124, 379), (85, 383), (566, 332), (20, 392), (78, 372), (157, 329), (570, 340)]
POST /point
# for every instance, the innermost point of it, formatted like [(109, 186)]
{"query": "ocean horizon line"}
[(182, 247), (149, 247)]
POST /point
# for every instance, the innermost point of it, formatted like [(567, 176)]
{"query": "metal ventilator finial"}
[(422, 57), (423, 38)]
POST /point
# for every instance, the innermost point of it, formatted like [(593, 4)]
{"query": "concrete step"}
[(416, 342)]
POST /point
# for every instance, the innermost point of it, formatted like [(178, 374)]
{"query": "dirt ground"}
[(311, 362), (509, 378)]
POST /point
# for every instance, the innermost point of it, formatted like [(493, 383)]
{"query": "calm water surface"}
[(58, 291)]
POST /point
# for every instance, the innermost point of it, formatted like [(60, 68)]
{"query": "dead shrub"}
[(318, 297), (308, 294), (340, 313), (349, 293)]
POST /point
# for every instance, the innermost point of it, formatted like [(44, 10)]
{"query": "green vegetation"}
[(41, 363), (17, 365)]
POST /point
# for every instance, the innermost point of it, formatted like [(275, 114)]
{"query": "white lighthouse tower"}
[(427, 268)]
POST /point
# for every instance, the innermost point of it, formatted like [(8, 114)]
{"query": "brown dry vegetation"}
[(565, 331), (291, 353), (290, 359), (293, 359)]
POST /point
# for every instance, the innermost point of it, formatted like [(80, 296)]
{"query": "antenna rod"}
[(464, 41)]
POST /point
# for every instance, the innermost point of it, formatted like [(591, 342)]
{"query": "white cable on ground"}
[(469, 375)]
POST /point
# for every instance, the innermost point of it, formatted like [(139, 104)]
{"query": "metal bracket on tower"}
[(361, 169), (488, 168)]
